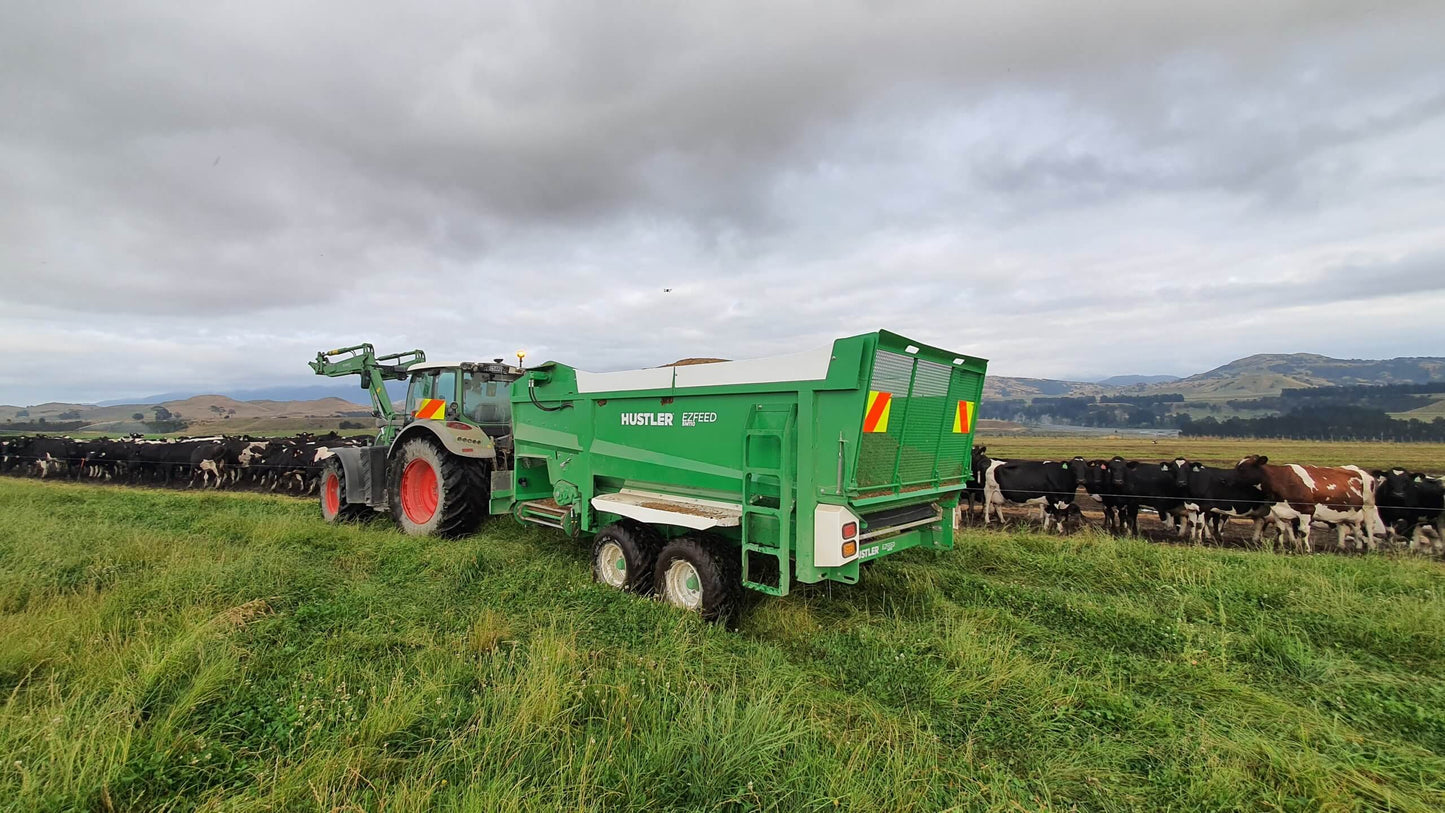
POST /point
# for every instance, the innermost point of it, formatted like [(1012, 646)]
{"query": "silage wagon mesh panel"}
[(924, 395)]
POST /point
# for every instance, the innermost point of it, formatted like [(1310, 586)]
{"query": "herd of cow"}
[(1195, 500), (291, 465)]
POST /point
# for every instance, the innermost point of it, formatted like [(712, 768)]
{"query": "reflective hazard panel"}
[(963, 416), (875, 419), (431, 409)]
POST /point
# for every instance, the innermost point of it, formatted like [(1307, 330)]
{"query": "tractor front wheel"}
[(436, 493), (700, 575), (334, 507)]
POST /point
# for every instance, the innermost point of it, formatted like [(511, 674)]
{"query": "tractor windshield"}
[(485, 400)]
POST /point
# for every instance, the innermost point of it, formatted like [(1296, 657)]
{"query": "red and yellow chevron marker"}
[(431, 409), (963, 416), (875, 419)]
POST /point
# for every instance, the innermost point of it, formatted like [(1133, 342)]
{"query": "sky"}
[(198, 197)]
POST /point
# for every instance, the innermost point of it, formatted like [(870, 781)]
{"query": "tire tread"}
[(638, 542), (718, 566), (465, 486), (349, 512)]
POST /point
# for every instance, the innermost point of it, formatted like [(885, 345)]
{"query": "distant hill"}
[(692, 361), (1002, 386), (346, 389), (1131, 380), (199, 408), (1268, 374)]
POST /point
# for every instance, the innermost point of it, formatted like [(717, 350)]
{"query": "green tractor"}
[(433, 465)]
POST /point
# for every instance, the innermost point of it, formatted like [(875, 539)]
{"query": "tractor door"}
[(433, 385)]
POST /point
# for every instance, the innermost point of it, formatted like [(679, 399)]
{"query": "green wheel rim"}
[(682, 585), (612, 565)]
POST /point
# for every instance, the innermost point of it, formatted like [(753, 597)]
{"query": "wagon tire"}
[(434, 493), (700, 575), (334, 507), (624, 556)]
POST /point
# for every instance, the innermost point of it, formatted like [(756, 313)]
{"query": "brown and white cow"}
[(1343, 496)]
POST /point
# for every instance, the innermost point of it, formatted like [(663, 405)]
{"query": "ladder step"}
[(543, 512), (547, 508), (781, 557)]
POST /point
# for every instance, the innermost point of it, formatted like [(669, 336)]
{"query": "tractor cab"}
[(473, 393)]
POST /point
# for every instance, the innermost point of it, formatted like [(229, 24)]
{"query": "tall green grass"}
[(180, 651)]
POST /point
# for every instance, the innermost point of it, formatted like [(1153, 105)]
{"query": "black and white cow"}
[(1098, 485), (1051, 485), (1411, 505), (1212, 496), (14, 453), (53, 456), (1147, 485), (973, 492)]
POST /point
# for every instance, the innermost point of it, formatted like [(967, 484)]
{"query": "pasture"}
[(183, 651)]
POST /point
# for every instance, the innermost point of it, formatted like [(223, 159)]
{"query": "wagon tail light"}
[(850, 542)]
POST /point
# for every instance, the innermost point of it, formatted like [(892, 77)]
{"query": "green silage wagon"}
[(697, 481)]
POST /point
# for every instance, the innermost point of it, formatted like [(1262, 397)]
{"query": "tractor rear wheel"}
[(700, 575), (334, 507), (436, 493), (624, 555)]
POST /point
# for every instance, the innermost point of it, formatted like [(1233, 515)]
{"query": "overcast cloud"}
[(203, 196)]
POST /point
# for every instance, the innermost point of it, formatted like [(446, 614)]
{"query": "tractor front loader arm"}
[(375, 371)]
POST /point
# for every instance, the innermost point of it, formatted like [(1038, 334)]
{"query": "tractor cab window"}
[(419, 388), (439, 384), (485, 401), (446, 387)]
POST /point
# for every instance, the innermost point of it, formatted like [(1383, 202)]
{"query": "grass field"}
[(1427, 457), (163, 650), (1429, 412)]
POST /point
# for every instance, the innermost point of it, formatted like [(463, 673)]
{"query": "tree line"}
[(1323, 413), (1386, 398), (1329, 422), (1133, 411)]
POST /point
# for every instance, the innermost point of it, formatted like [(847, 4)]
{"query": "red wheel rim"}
[(419, 491), (333, 494)]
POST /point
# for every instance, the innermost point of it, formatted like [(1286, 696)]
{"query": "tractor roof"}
[(467, 366), (433, 365)]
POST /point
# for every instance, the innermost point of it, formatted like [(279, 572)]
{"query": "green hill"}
[(1252, 377), (1268, 374)]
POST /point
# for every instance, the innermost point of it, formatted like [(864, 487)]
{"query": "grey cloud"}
[(225, 188)]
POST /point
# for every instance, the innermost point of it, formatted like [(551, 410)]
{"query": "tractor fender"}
[(364, 468), (353, 467), (456, 437)]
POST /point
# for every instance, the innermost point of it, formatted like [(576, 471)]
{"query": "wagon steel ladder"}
[(768, 459)]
